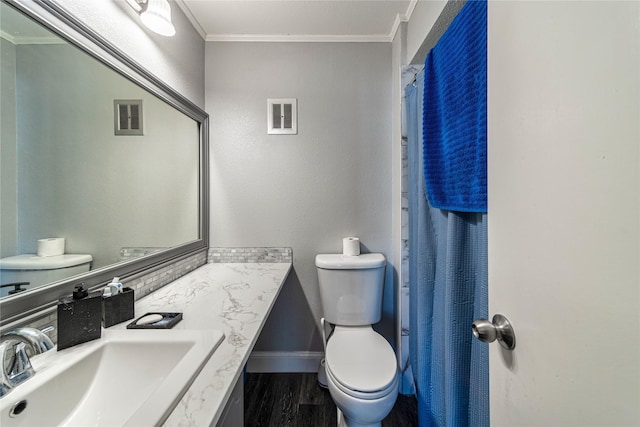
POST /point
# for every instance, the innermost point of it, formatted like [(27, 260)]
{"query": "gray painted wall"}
[(306, 191)]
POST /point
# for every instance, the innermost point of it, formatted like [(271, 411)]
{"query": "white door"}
[(564, 216)]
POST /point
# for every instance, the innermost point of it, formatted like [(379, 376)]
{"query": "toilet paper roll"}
[(351, 246), (51, 247)]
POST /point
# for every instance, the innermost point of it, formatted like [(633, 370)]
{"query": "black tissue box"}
[(117, 308), (79, 320)]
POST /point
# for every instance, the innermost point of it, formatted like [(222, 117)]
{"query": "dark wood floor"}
[(296, 400)]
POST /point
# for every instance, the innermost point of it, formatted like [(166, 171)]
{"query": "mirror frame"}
[(61, 22)]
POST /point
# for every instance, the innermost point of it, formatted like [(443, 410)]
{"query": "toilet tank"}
[(351, 288), (41, 270)]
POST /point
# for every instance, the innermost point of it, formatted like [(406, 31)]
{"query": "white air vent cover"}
[(282, 116), (127, 116)]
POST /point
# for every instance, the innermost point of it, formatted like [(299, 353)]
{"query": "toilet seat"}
[(362, 395), (361, 362)]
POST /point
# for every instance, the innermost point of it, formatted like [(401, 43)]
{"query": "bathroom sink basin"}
[(126, 378)]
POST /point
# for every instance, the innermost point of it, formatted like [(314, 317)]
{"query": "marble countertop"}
[(233, 298)]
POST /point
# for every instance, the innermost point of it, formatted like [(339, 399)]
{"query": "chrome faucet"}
[(15, 348)]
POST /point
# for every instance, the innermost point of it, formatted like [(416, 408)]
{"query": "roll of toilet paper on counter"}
[(351, 246), (51, 247)]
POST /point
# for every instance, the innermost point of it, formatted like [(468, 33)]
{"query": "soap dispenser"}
[(79, 318)]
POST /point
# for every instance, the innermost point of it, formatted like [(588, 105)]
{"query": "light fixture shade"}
[(157, 17)]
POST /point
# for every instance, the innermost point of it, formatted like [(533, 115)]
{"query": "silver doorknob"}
[(499, 328)]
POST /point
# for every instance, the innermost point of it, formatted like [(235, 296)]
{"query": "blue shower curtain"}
[(448, 290)]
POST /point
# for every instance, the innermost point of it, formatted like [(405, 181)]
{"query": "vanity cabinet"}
[(233, 413)]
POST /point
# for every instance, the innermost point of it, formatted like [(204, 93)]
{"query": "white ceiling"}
[(297, 20)]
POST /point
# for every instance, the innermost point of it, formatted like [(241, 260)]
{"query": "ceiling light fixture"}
[(155, 15)]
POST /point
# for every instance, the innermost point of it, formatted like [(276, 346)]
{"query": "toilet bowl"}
[(361, 375), (360, 365)]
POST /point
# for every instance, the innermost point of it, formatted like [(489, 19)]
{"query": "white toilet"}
[(37, 271), (360, 364)]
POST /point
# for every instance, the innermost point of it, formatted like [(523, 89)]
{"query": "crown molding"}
[(396, 24), (410, 9), (310, 38), (194, 22), (400, 18)]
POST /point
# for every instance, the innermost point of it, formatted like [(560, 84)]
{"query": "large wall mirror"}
[(94, 150)]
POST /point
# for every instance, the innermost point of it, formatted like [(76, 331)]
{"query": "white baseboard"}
[(284, 361)]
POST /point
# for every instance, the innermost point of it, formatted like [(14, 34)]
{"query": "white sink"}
[(126, 378)]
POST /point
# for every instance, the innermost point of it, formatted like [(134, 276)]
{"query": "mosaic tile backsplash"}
[(137, 252), (155, 280), (232, 255)]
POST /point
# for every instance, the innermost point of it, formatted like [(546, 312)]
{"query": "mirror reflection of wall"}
[(65, 173)]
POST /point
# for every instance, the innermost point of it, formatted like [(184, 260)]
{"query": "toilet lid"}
[(361, 359)]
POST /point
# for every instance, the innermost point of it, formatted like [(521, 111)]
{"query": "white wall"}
[(309, 190), (178, 61)]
